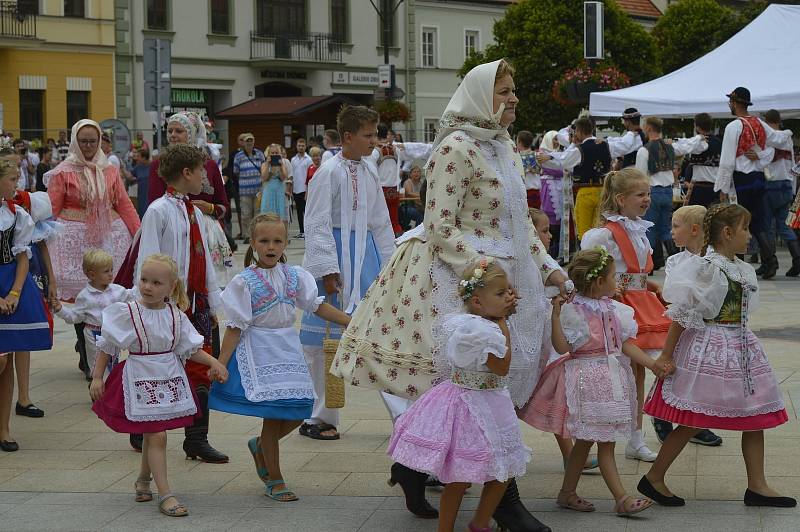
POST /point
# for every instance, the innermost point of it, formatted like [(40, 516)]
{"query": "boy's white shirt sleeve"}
[(642, 160), (320, 258)]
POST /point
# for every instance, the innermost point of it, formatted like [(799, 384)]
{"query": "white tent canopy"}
[(762, 57)]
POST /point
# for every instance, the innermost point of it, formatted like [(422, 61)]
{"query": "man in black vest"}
[(589, 160), (703, 167), (631, 119)]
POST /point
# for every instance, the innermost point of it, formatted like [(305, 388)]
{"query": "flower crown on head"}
[(475, 281), (595, 272)]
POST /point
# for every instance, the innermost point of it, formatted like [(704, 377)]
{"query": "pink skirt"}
[(657, 408), (461, 435), (111, 409), (547, 410)]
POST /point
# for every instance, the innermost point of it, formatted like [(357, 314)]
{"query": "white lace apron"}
[(271, 361), (154, 383)]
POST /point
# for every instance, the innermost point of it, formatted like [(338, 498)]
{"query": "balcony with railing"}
[(298, 47), (17, 20)]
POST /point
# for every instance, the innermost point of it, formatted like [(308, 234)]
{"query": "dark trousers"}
[(703, 194), (300, 205), (749, 194)]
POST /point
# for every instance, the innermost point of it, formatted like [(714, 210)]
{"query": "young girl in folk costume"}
[(149, 392), (624, 200), (269, 378), (37, 204), (723, 379), (274, 175), (23, 321), (465, 430), (552, 194), (590, 394), (172, 226)]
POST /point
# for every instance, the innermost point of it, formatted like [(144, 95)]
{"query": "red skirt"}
[(393, 204), (111, 409), (657, 408)]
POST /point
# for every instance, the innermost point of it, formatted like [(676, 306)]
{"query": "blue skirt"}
[(38, 270), (229, 397), (26, 329), (273, 198), (312, 327)]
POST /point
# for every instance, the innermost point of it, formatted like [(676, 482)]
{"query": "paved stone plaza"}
[(73, 473)]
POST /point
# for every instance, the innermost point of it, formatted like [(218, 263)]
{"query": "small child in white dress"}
[(465, 430), (590, 394), (90, 302)]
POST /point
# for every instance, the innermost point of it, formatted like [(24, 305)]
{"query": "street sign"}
[(593, 30), (157, 66), (385, 74), (397, 94)]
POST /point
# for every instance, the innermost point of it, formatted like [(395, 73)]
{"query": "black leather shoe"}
[(202, 450), (413, 484), (647, 489), (662, 428), (751, 498), (29, 411), (706, 437), (9, 446), (512, 515), (136, 441)]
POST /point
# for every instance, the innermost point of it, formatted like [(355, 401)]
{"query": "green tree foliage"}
[(544, 38), (692, 28)]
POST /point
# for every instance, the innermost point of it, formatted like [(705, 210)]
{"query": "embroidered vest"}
[(529, 163), (6, 242), (753, 134), (595, 163), (661, 156), (710, 157), (629, 159), (263, 295)]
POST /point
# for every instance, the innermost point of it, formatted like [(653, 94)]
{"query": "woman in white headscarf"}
[(90, 200), (475, 206), (552, 194)]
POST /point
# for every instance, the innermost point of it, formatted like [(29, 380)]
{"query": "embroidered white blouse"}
[(637, 232), (165, 229), (696, 288), (239, 310), (90, 303), (23, 230), (118, 333)]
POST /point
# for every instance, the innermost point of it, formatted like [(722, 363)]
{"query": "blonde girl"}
[(274, 178), (149, 392)]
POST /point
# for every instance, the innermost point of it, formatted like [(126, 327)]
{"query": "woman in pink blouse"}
[(89, 198)]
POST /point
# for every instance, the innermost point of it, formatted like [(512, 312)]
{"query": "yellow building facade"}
[(57, 64)]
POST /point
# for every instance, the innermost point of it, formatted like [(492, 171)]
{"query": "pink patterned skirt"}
[(461, 435), (575, 398), (707, 388), (111, 409), (67, 254)]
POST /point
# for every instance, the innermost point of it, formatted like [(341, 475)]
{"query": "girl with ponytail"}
[(723, 379), (149, 392)]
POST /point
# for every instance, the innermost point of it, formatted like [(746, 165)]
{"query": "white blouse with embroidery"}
[(23, 230), (576, 328), (238, 308), (637, 232), (473, 338), (118, 333)]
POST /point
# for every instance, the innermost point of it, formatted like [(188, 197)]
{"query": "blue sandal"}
[(255, 449), (276, 496)]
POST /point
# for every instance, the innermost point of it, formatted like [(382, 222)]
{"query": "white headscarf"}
[(92, 182), (470, 108), (550, 141)]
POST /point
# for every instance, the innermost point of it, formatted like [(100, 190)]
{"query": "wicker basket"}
[(334, 386)]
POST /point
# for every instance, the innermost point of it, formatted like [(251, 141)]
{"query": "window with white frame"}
[(430, 125), (472, 42), (429, 48)]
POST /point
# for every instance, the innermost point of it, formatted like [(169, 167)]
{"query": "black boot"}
[(413, 484), (766, 247), (196, 444), (794, 250), (512, 515)]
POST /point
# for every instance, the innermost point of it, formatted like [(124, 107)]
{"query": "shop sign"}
[(189, 96)]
